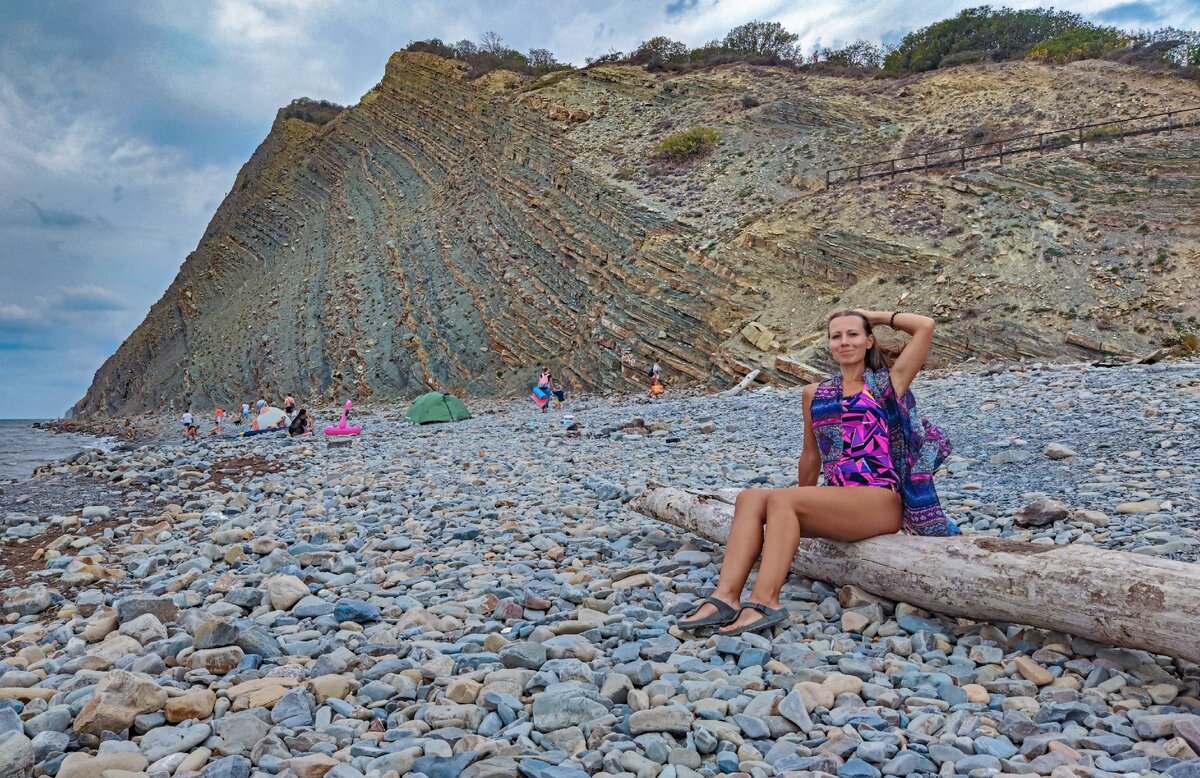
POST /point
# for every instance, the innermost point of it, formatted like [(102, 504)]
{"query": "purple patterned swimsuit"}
[(866, 451)]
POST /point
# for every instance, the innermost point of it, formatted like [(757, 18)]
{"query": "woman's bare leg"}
[(845, 513), (741, 548)]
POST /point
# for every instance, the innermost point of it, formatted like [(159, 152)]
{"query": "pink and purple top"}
[(866, 450)]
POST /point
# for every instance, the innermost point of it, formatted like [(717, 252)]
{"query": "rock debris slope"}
[(453, 233)]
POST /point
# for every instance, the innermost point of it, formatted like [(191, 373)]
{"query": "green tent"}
[(434, 407)]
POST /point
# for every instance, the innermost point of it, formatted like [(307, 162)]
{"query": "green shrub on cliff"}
[(985, 33), (689, 144), (1083, 42)]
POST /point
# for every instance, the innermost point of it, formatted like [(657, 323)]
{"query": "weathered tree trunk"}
[(1112, 597), (749, 379)]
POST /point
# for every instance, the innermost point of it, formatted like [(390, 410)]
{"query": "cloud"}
[(49, 217)]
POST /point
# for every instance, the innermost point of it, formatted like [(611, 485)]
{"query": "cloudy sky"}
[(122, 126)]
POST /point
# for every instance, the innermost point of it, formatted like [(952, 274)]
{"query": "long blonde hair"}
[(876, 358)]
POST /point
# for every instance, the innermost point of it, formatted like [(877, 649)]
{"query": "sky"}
[(122, 126)]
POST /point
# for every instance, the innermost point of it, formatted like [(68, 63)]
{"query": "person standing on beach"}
[(219, 413), (655, 370), (289, 405), (245, 411), (187, 421)]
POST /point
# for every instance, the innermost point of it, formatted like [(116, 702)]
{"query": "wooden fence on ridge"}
[(1050, 140)]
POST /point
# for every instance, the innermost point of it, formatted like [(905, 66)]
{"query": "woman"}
[(877, 466)]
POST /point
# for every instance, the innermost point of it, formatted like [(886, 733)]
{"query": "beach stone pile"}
[(477, 599)]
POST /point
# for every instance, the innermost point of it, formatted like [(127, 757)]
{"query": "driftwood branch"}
[(1112, 597), (741, 385)]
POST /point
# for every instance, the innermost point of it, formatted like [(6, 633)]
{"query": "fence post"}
[(893, 168), (1080, 137), (1001, 152), (962, 157), (859, 172), (926, 165), (827, 172)]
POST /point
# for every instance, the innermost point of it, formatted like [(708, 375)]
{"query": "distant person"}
[(301, 425), (289, 405), (549, 390), (260, 406), (655, 373), (245, 412), (187, 421), (219, 416)]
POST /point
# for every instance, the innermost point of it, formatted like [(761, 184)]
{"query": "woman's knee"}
[(785, 503)]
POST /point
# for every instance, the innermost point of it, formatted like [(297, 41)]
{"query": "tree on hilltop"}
[(658, 51), (860, 54), (492, 43), (762, 39), (979, 34)]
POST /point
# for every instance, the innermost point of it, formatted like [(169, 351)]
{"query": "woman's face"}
[(848, 340)]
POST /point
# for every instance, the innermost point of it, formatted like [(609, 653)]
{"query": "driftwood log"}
[(741, 385), (1111, 597)]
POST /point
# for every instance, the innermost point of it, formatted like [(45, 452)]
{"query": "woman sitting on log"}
[(878, 464)]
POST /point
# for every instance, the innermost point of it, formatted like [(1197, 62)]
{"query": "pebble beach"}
[(479, 599)]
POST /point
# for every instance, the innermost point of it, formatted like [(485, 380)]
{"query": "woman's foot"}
[(749, 616), (708, 610)]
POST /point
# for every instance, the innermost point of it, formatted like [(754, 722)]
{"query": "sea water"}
[(23, 447)]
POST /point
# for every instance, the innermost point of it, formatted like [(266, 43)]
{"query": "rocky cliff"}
[(455, 234)]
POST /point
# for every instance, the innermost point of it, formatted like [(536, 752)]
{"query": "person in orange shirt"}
[(219, 413)]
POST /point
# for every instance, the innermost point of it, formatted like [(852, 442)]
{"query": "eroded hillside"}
[(455, 233)]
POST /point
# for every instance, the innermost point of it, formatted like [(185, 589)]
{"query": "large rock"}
[(164, 741), (196, 705), (1041, 513), (284, 591), (82, 765), (567, 705), (217, 661), (16, 755), (144, 629), (118, 699), (215, 633), (30, 602), (162, 608), (240, 732), (669, 718)]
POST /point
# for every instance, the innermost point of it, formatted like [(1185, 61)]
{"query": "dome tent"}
[(434, 407)]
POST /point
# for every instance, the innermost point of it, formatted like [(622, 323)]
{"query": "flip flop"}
[(770, 618), (724, 615)]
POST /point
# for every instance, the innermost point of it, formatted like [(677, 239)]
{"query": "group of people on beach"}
[(296, 422)]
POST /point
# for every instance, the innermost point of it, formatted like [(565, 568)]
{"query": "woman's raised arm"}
[(912, 359)]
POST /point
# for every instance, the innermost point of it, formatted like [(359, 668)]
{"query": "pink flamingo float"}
[(342, 427)]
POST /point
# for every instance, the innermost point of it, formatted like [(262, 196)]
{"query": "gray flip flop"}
[(724, 615), (771, 617)]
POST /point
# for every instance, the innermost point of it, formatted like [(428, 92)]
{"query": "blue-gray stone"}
[(441, 767), (536, 768), (294, 709), (751, 657), (752, 726), (727, 762), (913, 624), (994, 746), (857, 768), (357, 610), (228, 767), (310, 607), (9, 720), (977, 762)]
